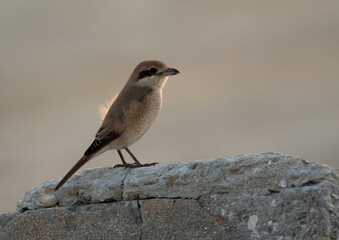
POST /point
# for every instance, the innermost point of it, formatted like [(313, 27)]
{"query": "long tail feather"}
[(75, 168)]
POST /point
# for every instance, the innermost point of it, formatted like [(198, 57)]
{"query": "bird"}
[(129, 117)]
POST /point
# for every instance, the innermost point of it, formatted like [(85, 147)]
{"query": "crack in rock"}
[(122, 186)]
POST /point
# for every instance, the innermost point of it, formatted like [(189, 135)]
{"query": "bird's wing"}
[(103, 137), (113, 124), (111, 127)]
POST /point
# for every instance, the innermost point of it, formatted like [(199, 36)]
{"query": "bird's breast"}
[(140, 116)]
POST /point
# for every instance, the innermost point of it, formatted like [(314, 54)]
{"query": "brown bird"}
[(130, 115)]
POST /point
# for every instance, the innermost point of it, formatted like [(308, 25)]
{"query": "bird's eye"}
[(153, 70), (145, 73)]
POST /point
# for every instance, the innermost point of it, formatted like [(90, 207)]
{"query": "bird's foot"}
[(127, 165), (135, 165)]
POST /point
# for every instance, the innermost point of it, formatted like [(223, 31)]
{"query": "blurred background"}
[(256, 76)]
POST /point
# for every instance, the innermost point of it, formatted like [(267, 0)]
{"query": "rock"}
[(161, 220), (47, 200), (6, 218), (309, 212), (91, 186), (265, 196), (96, 221)]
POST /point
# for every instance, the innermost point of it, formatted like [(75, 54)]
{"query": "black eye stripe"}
[(153, 70), (147, 73)]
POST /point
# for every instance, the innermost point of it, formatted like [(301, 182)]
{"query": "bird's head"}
[(151, 74)]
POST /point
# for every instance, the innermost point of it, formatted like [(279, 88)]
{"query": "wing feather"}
[(101, 142)]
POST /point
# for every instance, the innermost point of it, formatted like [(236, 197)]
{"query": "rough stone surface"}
[(97, 221), (91, 186), (7, 217), (312, 211), (264, 196), (178, 219)]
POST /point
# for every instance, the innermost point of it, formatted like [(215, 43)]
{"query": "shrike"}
[(130, 115)]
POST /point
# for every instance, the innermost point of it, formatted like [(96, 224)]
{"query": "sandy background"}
[(256, 76)]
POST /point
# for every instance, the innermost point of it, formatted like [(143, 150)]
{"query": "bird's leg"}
[(132, 155), (124, 163), (137, 163), (122, 157)]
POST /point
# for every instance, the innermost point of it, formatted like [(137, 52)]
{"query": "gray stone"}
[(7, 217), (310, 212), (91, 186), (264, 196), (256, 174), (178, 219), (104, 221)]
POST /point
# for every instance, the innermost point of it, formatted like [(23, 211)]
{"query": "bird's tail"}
[(75, 168)]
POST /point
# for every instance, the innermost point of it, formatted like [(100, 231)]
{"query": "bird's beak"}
[(170, 72)]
